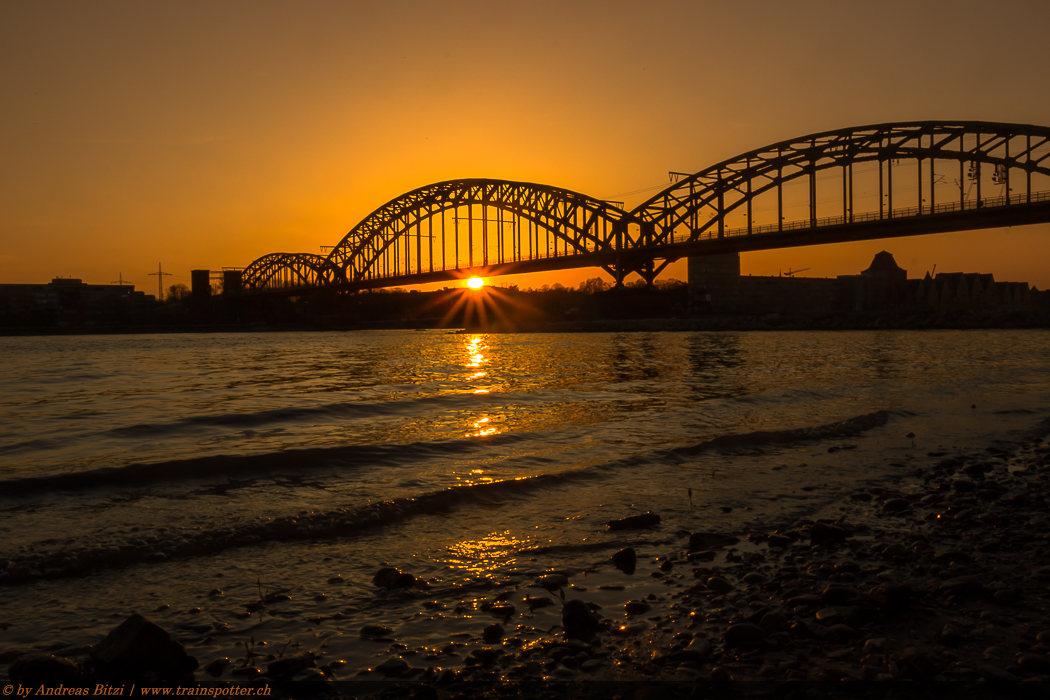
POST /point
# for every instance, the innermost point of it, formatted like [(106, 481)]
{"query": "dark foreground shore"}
[(940, 572)]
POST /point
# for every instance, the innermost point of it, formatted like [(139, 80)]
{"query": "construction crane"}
[(791, 272)]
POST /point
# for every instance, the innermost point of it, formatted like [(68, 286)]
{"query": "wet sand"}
[(940, 573), (937, 572)]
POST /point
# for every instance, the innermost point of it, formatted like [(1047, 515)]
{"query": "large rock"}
[(826, 532), (719, 585), (970, 585), (286, 667), (774, 621), (916, 664), (698, 651), (895, 505), (626, 560), (743, 634), (1034, 663), (138, 650), (394, 666), (578, 620), (837, 595), (890, 597), (389, 577)]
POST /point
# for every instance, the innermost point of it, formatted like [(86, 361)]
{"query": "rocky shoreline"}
[(939, 575), (939, 572)]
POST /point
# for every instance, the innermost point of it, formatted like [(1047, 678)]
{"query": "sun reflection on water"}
[(484, 555), (480, 429), (474, 352)]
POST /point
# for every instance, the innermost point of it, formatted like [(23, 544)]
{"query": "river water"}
[(187, 476)]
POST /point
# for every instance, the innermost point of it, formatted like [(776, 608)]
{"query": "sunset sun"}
[(475, 283)]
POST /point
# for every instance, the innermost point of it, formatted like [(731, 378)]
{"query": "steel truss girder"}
[(575, 219), (702, 197), (644, 240), (281, 270)]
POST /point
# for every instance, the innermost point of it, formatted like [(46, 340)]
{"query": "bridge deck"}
[(994, 213)]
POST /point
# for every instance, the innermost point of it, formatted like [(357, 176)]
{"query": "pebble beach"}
[(937, 573)]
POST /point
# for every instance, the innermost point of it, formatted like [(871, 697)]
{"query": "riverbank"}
[(936, 572), (962, 320)]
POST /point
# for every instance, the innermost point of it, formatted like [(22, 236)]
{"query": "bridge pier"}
[(714, 283), (648, 272)]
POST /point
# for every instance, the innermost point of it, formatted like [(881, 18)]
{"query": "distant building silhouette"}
[(716, 286), (70, 300), (964, 290)]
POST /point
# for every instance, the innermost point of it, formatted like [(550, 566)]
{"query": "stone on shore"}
[(288, 666), (390, 578), (825, 532), (697, 651), (394, 666), (578, 620), (626, 560), (743, 635), (895, 505), (719, 585), (138, 650), (217, 666), (492, 634), (970, 585)]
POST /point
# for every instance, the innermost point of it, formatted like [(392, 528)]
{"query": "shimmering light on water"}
[(486, 554), (265, 456)]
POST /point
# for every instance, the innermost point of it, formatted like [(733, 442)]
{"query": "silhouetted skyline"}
[(205, 136)]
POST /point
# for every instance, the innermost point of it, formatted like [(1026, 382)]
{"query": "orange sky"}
[(203, 134)]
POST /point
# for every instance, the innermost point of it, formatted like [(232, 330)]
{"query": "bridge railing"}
[(900, 213), (947, 207)]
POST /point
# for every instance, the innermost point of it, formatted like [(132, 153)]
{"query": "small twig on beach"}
[(262, 595), (249, 652)]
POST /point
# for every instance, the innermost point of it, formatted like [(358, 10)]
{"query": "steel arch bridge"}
[(859, 183), (283, 270), (517, 221)]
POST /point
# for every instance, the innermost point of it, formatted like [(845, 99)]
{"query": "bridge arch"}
[(949, 176), (284, 270), (945, 166), (448, 226)]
